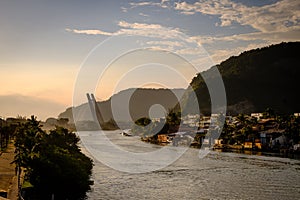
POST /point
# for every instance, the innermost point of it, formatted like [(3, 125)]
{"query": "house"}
[(255, 144), (297, 114), (268, 135), (205, 123), (162, 138), (258, 144), (248, 145), (256, 115), (281, 140), (272, 137), (191, 120), (269, 123)]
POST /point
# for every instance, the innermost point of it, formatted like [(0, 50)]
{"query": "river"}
[(217, 176)]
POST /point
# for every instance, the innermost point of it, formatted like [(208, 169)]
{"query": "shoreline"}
[(239, 150), (290, 155)]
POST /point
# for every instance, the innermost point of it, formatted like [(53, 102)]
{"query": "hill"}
[(139, 102), (255, 80)]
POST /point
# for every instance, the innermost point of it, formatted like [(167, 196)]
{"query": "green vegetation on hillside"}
[(147, 129), (254, 80)]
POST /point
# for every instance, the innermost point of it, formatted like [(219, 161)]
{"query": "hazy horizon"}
[(44, 44)]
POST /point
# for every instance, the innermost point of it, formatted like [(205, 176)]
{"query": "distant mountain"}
[(254, 81), (137, 101), (262, 78)]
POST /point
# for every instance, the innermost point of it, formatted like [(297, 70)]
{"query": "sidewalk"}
[(8, 183)]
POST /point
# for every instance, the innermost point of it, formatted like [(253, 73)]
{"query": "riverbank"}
[(260, 153), (283, 153), (8, 178)]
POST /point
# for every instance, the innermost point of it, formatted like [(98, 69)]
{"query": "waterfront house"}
[(257, 115), (163, 138), (272, 137), (257, 144), (248, 145), (269, 123)]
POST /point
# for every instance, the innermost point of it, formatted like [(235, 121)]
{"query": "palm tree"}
[(244, 126), (27, 140), (173, 120)]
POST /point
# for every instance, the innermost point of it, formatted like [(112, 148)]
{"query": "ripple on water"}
[(217, 176)]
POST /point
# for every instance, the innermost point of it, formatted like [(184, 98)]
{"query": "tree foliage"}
[(145, 127), (53, 161), (248, 128), (254, 80)]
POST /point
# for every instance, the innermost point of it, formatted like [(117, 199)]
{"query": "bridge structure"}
[(95, 110), (98, 117)]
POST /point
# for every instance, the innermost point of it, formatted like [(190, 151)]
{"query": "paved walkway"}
[(8, 180)]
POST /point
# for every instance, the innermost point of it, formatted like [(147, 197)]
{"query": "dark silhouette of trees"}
[(254, 80), (53, 162), (7, 131), (146, 128)]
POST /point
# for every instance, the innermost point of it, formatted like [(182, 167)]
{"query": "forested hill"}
[(140, 102), (262, 78)]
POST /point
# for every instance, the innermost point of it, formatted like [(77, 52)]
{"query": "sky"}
[(47, 47)]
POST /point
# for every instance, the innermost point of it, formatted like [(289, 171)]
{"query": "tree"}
[(173, 118), (227, 133), (143, 126), (62, 169), (28, 138), (54, 163), (244, 128), (292, 127), (144, 121), (5, 133), (269, 113)]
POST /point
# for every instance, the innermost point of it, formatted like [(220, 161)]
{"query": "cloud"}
[(188, 12), (89, 32), (167, 43), (280, 16), (221, 48), (157, 37), (273, 23), (191, 51), (125, 24), (273, 37), (173, 39), (162, 4), (124, 10), (136, 29), (145, 3), (143, 14), (219, 55)]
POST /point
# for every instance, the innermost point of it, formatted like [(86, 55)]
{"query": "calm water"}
[(217, 176)]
